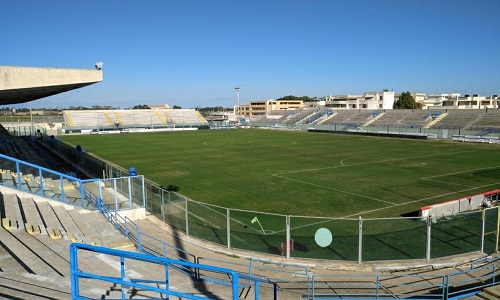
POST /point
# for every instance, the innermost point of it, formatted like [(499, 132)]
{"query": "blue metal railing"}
[(136, 283), (85, 198), (451, 285), (415, 286)]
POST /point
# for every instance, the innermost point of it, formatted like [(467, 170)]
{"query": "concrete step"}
[(492, 292), (26, 257), (52, 225), (53, 260), (32, 220), (12, 218), (6, 177), (97, 230), (8, 263), (71, 230), (28, 286)]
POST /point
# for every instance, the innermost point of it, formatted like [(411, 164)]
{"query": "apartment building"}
[(368, 100), (256, 109)]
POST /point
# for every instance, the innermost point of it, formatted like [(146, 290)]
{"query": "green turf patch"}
[(299, 173)]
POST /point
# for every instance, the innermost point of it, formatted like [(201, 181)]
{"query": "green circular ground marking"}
[(323, 237)]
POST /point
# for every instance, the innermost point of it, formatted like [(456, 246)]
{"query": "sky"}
[(193, 53)]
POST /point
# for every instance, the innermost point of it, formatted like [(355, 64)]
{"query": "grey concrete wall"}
[(30, 77)]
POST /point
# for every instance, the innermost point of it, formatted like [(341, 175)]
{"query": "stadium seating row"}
[(451, 118), (137, 118)]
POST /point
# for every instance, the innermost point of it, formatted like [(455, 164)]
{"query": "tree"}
[(292, 97), (405, 101), (144, 106), (177, 107)]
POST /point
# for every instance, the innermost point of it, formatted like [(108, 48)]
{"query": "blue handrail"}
[(125, 256)]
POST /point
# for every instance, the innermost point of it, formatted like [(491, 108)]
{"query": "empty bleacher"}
[(134, 118), (460, 118), (349, 116), (36, 234), (487, 119)]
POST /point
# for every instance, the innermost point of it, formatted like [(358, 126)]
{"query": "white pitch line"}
[(349, 193), (420, 200), (332, 189), (440, 181), (342, 161), (460, 172), (379, 209), (454, 173), (371, 162)]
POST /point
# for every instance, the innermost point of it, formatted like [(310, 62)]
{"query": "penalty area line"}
[(420, 200), (332, 189), (369, 162), (460, 172)]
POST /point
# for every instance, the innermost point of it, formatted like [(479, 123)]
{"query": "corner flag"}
[(254, 220)]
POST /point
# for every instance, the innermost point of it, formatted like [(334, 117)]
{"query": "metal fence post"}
[(129, 181), (186, 216), (228, 224), (82, 193), (116, 193), (360, 240), (498, 228), (287, 218), (483, 225), (143, 181), (428, 246), (162, 195)]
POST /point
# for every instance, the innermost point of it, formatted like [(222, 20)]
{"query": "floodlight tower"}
[(238, 89)]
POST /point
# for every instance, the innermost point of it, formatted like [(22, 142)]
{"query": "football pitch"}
[(304, 174)]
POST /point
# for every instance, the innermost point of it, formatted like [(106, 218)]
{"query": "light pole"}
[(238, 89)]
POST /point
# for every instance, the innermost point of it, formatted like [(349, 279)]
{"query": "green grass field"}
[(300, 173), (335, 178)]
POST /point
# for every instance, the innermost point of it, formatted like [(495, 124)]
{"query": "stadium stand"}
[(489, 119), (459, 118), (77, 120), (351, 116), (300, 115), (406, 117), (38, 233)]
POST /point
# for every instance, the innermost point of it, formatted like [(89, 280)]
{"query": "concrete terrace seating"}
[(392, 117), (419, 117), (34, 249), (87, 119), (462, 118), (20, 148), (140, 118), (185, 116), (315, 116), (490, 119), (299, 115), (407, 117), (113, 119), (348, 116)]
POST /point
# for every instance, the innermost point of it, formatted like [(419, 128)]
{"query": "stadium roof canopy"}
[(24, 84)]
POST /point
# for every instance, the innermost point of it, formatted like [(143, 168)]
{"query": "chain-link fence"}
[(306, 236)]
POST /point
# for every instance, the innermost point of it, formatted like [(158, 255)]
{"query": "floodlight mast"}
[(238, 89)]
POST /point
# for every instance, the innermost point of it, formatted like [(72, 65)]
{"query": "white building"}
[(367, 100), (436, 100), (471, 102), (257, 108)]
